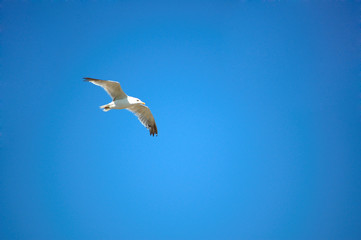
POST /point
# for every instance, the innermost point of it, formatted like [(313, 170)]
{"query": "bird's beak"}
[(143, 103)]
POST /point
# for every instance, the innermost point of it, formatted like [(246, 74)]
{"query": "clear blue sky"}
[(257, 106)]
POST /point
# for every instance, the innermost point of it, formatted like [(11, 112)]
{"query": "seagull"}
[(123, 101)]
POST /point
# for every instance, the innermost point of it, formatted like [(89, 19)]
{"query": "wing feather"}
[(112, 88), (145, 116)]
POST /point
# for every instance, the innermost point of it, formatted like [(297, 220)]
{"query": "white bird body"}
[(123, 101), (119, 104)]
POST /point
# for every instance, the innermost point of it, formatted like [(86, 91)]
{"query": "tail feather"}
[(105, 107)]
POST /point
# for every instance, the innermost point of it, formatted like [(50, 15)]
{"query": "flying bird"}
[(123, 101)]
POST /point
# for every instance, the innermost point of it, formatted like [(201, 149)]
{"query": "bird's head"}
[(133, 100)]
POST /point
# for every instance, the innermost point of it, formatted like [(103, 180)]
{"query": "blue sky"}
[(257, 106)]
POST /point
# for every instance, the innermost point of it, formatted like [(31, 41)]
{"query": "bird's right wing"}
[(145, 116), (112, 88)]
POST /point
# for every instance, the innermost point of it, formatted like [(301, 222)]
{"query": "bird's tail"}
[(105, 107)]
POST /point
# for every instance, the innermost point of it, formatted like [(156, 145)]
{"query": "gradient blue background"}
[(257, 106)]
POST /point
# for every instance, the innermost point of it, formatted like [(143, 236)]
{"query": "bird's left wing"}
[(111, 87), (145, 116)]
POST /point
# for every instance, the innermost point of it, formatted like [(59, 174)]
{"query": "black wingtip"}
[(153, 131), (87, 79)]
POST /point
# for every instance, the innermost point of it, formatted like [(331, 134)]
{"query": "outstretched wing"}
[(145, 116), (112, 88)]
